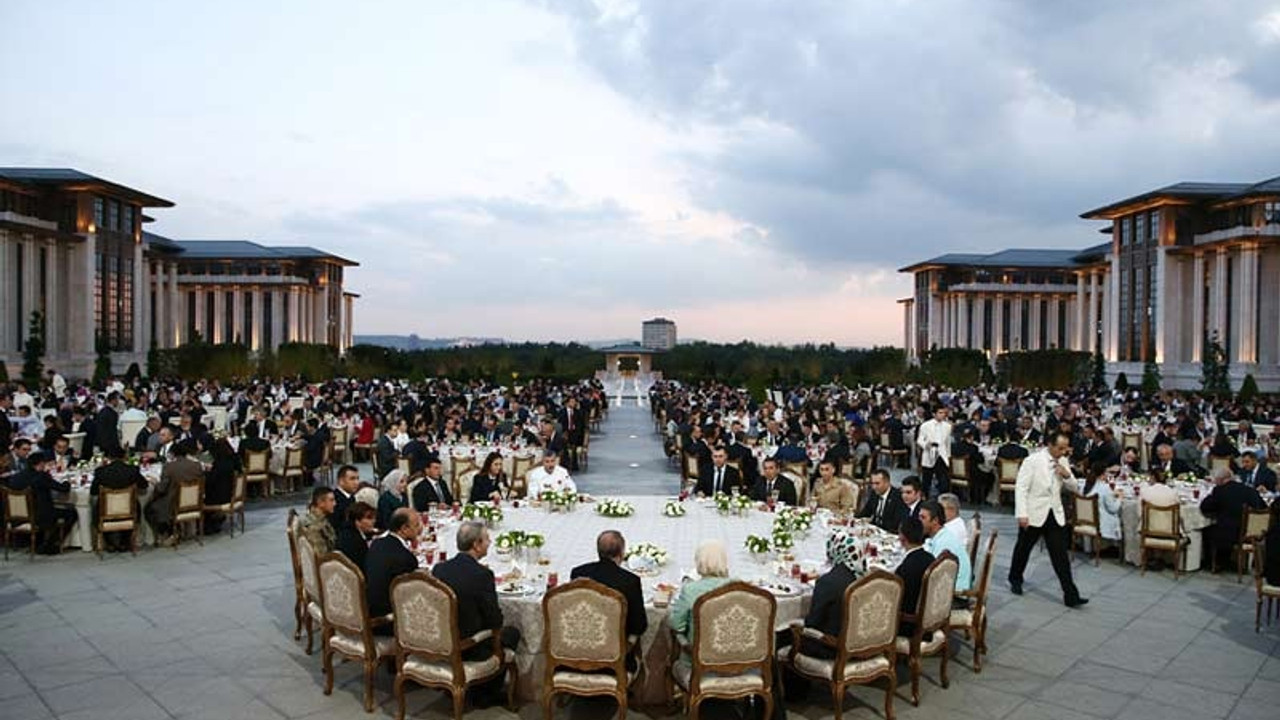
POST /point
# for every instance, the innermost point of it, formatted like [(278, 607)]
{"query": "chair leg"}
[(915, 680), (310, 625), (888, 696), (946, 651), (326, 662), (298, 610), (1257, 617), (459, 699), (513, 679), (370, 667), (837, 699), (547, 699), (398, 690), (768, 706), (1142, 560), (97, 543)]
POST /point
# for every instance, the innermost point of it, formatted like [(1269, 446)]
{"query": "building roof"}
[(1266, 187), (76, 180), (160, 242), (248, 250), (1178, 191), (628, 349), (1013, 258)]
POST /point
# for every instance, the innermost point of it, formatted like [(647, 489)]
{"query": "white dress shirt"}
[(1039, 489), (540, 480), (931, 431)]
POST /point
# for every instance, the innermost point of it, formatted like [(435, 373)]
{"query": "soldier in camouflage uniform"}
[(315, 527)]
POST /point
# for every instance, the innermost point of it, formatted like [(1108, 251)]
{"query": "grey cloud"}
[(887, 129)]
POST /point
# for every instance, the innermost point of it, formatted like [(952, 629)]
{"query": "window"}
[(268, 301), (1271, 213), (1140, 229), (98, 213), (113, 215), (124, 306), (1153, 225), (1126, 232), (126, 216)]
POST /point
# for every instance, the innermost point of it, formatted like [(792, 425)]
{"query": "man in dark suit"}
[(15, 461), (884, 504), (345, 495), (608, 571), (912, 568), (574, 423), (6, 427), (389, 557), (1256, 475), (115, 475), (313, 451), (432, 489), (1012, 451), (260, 427), (773, 480), (1167, 465), (1226, 504), (553, 440), (720, 476), (107, 424), (386, 450), (742, 455), (49, 518), (473, 586), (911, 496)]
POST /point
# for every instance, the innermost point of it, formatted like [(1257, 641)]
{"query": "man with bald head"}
[(608, 571)]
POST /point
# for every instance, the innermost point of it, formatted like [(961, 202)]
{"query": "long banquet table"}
[(570, 541)]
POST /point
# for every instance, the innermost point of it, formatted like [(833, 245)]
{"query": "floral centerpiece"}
[(782, 537), (510, 540), (558, 499), (757, 545), (490, 514), (674, 508), (793, 520), (737, 504), (611, 507), (645, 558)]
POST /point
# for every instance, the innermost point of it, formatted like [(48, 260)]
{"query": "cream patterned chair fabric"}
[(299, 593), (235, 506), (19, 506), (313, 597), (1266, 591), (189, 508), (257, 469), (731, 648), (1086, 525), (1161, 531), (973, 621), (429, 649), (115, 514), (465, 481), (865, 649), (348, 630), (585, 635), (931, 618)]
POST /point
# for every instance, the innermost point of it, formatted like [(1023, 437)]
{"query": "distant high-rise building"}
[(658, 334)]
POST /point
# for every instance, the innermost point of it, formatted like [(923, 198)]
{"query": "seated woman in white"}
[(1108, 505), (550, 476)]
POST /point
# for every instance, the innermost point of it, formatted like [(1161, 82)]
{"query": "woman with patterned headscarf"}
[(393, 496), (844, 552)]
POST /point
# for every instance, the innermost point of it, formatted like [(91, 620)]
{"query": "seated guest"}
[(952, 522), (719, 476), (147, 438), (386, 448), (473, 586), (608, 571), (1012, 451), (260, 430), (316, 526), (62, 455), (389, 557), (1108, 503), (490, 483), (941, 540), (317, 439), (1131, 459), (15, 461), (911, 496), (550, 476), (884, 504), (357, 532), (432, 490), (115, 475), (344, 495), (826, 612), (792, 450), (48, 517), (181, 468), (1226, 505), (772, 481), (833, 493), (1271, 569), (979, 481), (220, 482), (712, 564), (1255, 474), (1170, 463), (393, 496), (912, 568)]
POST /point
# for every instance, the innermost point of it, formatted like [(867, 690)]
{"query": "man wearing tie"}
[(772, 481), (720, 477), (934, 441), (1254, 474), (1038, 507), (884, 505), (432, 489)]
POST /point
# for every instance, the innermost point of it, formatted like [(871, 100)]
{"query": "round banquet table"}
[(1192, 520), (570, 541), (82, 533), (477, 454)]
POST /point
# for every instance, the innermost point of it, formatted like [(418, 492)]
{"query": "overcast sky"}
[(567, 168)]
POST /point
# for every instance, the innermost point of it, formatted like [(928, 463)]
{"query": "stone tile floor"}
[(207, 632)]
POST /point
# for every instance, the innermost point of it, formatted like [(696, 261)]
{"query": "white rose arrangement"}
[(489, 514), (757, 544), (646, 550), (611, 507), (673, 508)]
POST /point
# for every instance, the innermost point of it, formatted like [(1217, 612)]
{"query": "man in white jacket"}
[(934, 440), (1038, 507)]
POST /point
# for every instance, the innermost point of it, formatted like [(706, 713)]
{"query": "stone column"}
[(1016, 341), (238, 330), (159, 313), (6, 288), (82, 287), (255, 321), (141, 296), (1051, 324), (218, 334), (979, 320), (966, 329), (1218, 297), (1113, 311), (30, 284), (277, 318), (1080, 339), (177, 328), (997, 326), (1246, 317), (1197, 308), (292, 330), (1034, 325), (350, 307), (1161, 341), (53, 323), (906, 330)]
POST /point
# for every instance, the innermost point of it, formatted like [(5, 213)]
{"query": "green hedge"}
[(1045, 369)]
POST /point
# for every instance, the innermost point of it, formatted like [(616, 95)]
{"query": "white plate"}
[(516, 591), (780, 589)]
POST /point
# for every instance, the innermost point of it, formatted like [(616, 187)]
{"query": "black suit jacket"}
[(106, 424), (1177, 466), (911, 570), (42, 486), (351, 542), (610, 574), (342, 503), (425, 493), (472, 584), (786, 491), (1264, 477), (894, 510), (483, 486), (826, 613), (251, 428), (117, 475), (707, 477), (386, 560), (1227, 503)]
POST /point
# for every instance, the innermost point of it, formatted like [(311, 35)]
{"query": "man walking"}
[(934, 441), (1038, 507)]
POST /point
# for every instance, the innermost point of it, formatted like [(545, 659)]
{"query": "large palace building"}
[(72, 246), (1185, 265)]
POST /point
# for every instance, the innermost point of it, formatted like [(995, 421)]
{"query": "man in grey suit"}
[(159, 511)]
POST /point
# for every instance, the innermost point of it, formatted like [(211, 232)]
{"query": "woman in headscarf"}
[(393, 496), (826, 613)]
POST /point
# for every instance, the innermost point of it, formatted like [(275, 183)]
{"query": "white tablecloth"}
[(570, 541), (82, 533), (1193, 521)]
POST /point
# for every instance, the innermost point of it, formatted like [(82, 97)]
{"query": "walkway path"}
[(626, 456)]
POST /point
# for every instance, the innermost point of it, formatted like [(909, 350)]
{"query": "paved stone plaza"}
[(207, 632)]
